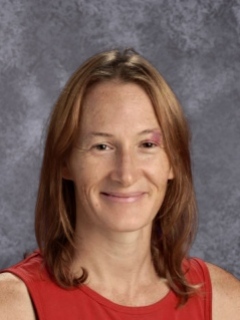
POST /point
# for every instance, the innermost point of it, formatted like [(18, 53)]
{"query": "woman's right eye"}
[(101, 147)]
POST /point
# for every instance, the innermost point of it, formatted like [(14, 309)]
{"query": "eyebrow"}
[(155, 130), (99, 134), (109, 135)]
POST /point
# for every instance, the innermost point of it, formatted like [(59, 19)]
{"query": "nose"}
[(125, 171)]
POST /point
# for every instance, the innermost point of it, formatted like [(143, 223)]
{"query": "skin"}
[(120, 171), (118, 165)]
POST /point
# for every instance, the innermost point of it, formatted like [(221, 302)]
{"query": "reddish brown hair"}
[(174, 225)]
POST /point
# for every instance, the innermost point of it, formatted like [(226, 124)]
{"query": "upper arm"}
[(226, 294), (15, 302)]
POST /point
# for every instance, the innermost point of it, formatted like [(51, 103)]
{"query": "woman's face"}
[(118, 165)]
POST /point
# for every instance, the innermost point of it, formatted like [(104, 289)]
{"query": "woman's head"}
[(56, 208), (118, 164)]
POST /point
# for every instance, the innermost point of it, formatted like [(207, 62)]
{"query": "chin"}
[(129, 226)]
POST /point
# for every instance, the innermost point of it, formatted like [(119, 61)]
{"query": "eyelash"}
[(104, 147), (149, 144), (100, 147)]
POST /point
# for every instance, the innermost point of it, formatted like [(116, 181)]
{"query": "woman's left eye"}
[(148, 144)]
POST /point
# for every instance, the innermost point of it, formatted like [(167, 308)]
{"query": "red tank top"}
[(53, 302)]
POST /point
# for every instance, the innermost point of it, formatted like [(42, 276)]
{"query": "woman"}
[(116, 213)]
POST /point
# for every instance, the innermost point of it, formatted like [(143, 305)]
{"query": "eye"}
[(101, 147), (148, 144)]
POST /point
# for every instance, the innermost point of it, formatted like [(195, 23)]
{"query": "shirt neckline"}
[(168, 300)]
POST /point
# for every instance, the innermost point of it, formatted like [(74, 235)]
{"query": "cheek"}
[(160, 171), (87, 173)]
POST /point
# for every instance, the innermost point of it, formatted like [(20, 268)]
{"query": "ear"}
[(171, 174), (66, 173)]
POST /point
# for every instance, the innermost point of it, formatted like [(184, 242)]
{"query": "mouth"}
[(123, 197)]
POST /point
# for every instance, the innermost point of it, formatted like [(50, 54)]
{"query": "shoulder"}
[(15, 302), (226, 294)]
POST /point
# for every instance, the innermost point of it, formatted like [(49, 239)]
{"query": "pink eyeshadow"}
[(156, 137)]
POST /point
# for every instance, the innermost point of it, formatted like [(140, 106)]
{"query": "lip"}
[(123, 197)]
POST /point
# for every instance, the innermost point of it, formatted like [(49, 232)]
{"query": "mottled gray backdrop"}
[(194, 43)]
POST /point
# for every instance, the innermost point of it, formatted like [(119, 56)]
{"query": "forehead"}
[(111, 103)]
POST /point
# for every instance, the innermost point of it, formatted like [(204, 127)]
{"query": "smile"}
[(123, 197)]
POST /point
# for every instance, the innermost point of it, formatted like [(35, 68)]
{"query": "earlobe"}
[(171, 174), (66, 174)]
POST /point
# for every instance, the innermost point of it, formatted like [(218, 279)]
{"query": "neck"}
[(119, 266), (115, 255)]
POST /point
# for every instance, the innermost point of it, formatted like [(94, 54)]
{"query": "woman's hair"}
[(175, 223)]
